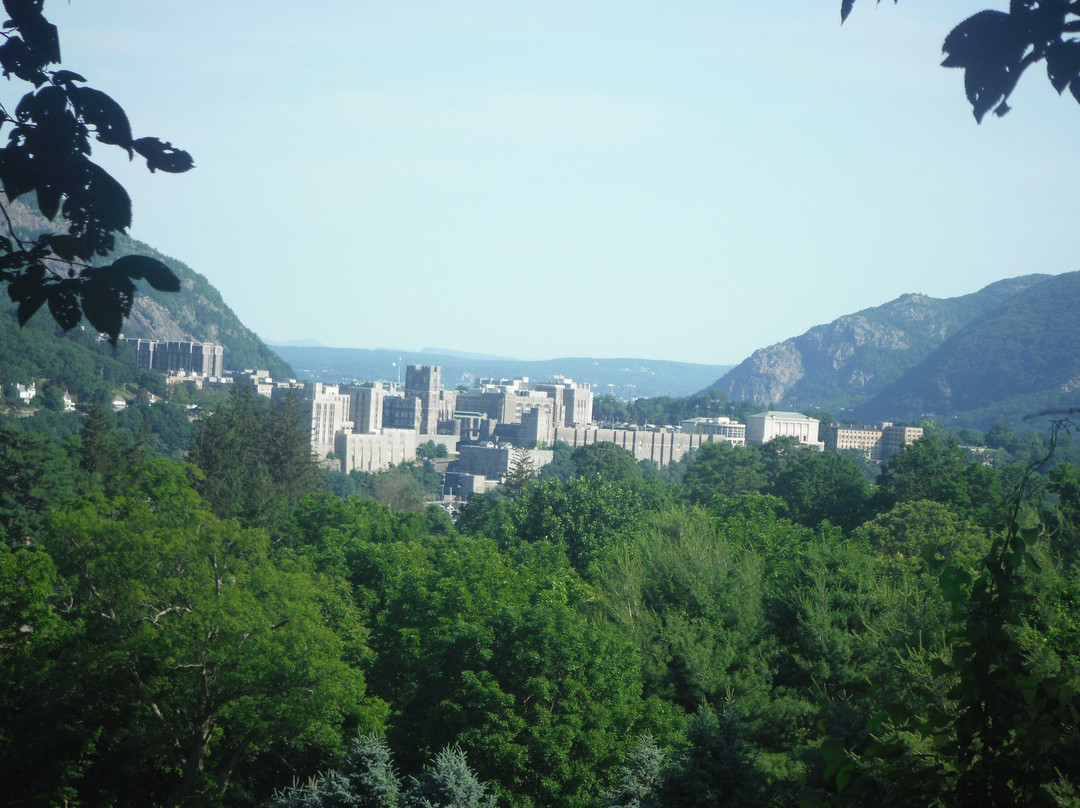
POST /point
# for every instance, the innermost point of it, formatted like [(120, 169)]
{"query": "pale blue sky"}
[(685, 181)]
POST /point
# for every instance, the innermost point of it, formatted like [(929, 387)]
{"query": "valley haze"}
[(688, 181)]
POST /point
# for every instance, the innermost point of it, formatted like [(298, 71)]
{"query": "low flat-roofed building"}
[(724, 428), (878, 442), (764, 426)]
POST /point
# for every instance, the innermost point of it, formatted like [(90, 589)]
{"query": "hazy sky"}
[(688, 181)]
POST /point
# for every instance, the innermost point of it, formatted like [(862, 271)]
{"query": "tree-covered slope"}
[(850, 360), (76, 361), (1020, 358), (197, 312)]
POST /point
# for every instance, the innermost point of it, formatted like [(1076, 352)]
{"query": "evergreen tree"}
[(35, 474), (102, 451), (293, 468), (521, 472), (711, 767), (256, 458), (640, 778), (449, 783), (365, 779)]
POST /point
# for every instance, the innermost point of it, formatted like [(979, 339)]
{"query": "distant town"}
[(374, 425)]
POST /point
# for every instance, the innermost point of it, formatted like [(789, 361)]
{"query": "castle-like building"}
[(374, 425)]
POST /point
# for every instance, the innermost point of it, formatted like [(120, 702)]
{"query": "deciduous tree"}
[(214, 652)]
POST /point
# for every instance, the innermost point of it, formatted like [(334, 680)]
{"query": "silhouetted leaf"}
[(1063, 64), (989, 48), (42, 38), (104, 114), (48, 199), (17, 259), (153, 271), (163, 155), (16, 58), (30, 305), (67, 247), (39, 33), (106, 301), (846, 6), (16, 171), (66, 77), (984, 89), (974, 40), (64, 305), (102, 197), (27, 283), (48, 103)]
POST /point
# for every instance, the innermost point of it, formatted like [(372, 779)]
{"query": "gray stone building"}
[(422, 382), (200, 358)]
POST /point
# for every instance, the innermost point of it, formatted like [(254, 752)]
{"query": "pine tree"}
[(101, 451), (521, 472), (293, 468), (640, 778), (712, 766), (449, 783)]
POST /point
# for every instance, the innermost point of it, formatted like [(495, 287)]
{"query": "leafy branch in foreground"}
[(994, 48), (48, 155)]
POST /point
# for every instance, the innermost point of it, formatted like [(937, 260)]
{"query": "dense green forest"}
[(755, 626)]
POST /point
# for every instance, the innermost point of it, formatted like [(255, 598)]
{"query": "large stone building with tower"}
[(374, 425)]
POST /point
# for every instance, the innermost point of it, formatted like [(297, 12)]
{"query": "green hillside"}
[(76, 361), (850, 360), (1021, 358)]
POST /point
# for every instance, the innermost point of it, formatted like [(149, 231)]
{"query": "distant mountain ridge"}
[(872, 362), (620, 377)]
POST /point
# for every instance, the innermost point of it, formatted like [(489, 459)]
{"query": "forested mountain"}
[(1020, 358), (856, 358), (197, 312)]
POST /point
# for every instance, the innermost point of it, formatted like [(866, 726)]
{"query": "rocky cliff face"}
[(851, 359), (150, 320)]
